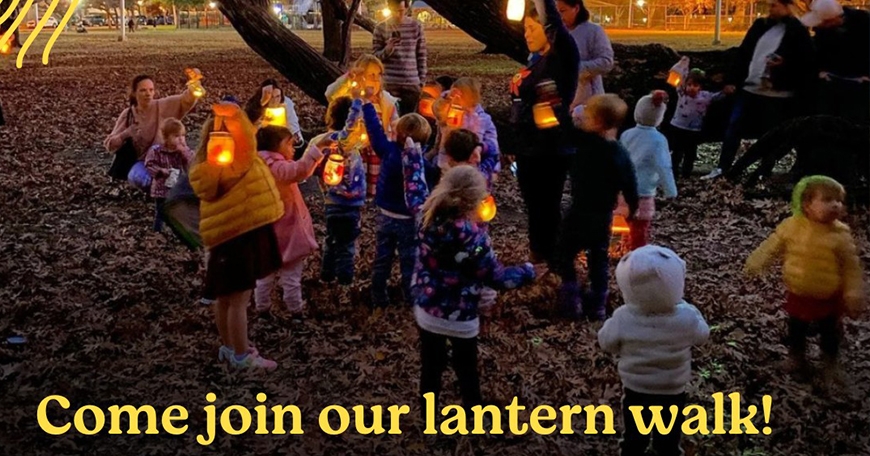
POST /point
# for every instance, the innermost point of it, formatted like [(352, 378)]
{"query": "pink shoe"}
[(226, 353), (253, 361)]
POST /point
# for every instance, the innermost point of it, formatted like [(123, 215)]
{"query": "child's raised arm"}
[(291, 172), (377, 136), (490, 270)]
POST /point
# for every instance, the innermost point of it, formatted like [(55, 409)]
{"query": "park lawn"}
[(109, 307)]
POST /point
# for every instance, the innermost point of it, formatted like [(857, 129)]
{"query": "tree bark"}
[(486, 22), (332, 20), (346, 28), (281, 48)]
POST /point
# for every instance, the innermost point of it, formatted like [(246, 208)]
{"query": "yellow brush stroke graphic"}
[(17, 22)]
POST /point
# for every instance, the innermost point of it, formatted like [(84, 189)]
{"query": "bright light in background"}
[(640, 3), (386, 12), (644, 20), (730, 19), (212, 5), (140, 2), (277, 9)]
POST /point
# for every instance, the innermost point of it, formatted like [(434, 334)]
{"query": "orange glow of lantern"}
[(425, 107), (221, 148), (6, 48), (276, 116), (544, 116), (196, 89), (619, 226), (455, 115), (516, 9), (486, 210), (675, 75), (333, 170)]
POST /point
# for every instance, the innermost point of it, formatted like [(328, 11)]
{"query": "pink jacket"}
[(294, 230)]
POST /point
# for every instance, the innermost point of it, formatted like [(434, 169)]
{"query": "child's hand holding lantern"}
[(239, 128), (193, 74)]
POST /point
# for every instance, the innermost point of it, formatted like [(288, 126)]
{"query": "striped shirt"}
[(406, 65)]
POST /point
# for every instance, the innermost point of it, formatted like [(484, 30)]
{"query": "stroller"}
[(181, 213)]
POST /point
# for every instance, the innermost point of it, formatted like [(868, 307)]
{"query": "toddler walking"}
[(648, 150), (688, 120), (598, 174), (294, 230), (653, 335), (821, 270), (165, 161)]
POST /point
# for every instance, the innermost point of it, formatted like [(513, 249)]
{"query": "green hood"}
[(799, 189)]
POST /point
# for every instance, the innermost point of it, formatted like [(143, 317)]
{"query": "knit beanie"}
[(650, 109), (651, 279)]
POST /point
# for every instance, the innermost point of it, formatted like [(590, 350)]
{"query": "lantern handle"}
[(218, 123)]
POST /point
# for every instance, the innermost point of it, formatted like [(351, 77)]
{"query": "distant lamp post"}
[(212, 5), (640, 3), (386, 12)]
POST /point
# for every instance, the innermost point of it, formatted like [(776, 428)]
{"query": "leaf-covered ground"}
[(110, 314)]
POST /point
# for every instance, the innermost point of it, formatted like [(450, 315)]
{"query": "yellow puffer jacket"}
[(235, 199), (820, 260)]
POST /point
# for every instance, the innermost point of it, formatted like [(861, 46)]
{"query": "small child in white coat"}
[(653, 335), (648, 149)]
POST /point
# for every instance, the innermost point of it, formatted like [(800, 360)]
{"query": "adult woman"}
[(596, 53), (543, 153), (368, 71), (268, 94), (140, 122)]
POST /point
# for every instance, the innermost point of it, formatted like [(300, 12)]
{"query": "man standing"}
[(400, 44), (842, 39), (773, 70)]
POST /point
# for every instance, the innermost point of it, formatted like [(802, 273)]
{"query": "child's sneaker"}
[(226, 353), (252, 361), (595, 306)]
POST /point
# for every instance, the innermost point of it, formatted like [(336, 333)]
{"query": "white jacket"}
[(653, 333)]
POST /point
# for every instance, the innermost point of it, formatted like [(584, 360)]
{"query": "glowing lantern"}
[(333, 171), (620, 240), (196, 89), (427, 101), (275, 116), (675, 75), (486, 210), (516, 9), (544, 115), (454, 116), (221, 148), (6, 48)]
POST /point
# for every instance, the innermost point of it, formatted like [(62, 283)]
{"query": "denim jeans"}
[(158, 214), (342, 229), (752, 117), (393, 234)]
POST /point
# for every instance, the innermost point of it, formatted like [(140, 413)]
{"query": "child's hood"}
[(651, 279), (799, 189)]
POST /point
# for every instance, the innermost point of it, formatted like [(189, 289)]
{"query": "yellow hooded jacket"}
[(237, 198), (820, 260)]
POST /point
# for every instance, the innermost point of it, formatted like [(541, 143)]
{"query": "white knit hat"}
[(652, 278), (820, 11), (650, 109)]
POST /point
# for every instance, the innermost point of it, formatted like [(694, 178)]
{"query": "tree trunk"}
[(332, 20), (486, 22), (346, 28), (281, 48), (175, 17)]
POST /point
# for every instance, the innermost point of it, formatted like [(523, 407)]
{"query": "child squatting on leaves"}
[(165, 162), (239, 202), (648, 150), (653, 335), (597, 176), (294, 231), (821, 271)]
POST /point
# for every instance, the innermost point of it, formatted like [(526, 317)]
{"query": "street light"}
[(212, 5), (640, 3), (386, 12)]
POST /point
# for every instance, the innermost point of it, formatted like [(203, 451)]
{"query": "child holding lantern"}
[(344, 191), (648, 150), (164, 161), (239, 202), (455, 261), (597, 176), (460, 108), (294, 230), (395, 225), (821, 270), (685, 134), (366, 73)]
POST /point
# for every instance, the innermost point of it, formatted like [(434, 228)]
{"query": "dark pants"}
[(847, 99), (393, 234), (589, 232), (433, 357), (542, 181), (752, 117), (633, 442), (639, 233), (342, 229), (409, 97), (829, 335), (684, 150), (158, 214)]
